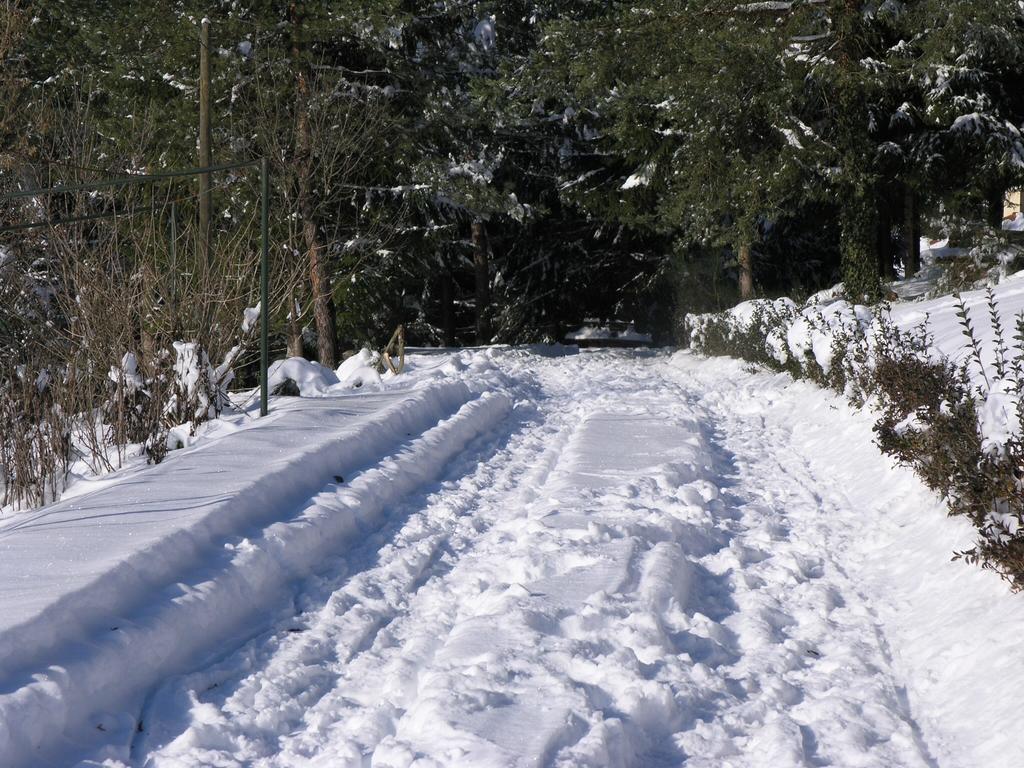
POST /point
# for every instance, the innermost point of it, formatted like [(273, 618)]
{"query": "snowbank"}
[(360, 370), (790, 333), (947, 405), (109, 592), (949, 631), (312, 379), (814, 330), (944, 325)]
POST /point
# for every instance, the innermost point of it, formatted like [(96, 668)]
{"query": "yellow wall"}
[(1013, 203)]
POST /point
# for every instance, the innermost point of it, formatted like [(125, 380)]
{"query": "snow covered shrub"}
[(821, 343), (34, 421), (754, 331), (850, 357), (816, 342), (35, 435), (988, 486), (934, 420), (962, 273), (928, 421), (994, 255), (998, 252), (713, 335), (194, 391)]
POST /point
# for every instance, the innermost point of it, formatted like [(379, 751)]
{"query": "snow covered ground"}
[(603, 559), (940, 315)]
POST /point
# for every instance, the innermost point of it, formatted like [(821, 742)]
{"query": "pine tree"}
[(968, 59), (683, 108), (306, 84)]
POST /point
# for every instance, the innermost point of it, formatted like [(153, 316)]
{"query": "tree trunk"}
[(746, 264), (482, 270), (447, 306), (886, 257), (911, 233), (323, 299), (995, 207)]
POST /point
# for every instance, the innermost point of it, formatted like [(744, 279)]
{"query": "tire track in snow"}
[(634, 574), (361, 712), (844, 697), (290, 671), (560, 652)]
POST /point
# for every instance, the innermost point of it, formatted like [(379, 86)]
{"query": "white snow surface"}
[(513, 558), (110, 590), (940, 315), (997, 410)]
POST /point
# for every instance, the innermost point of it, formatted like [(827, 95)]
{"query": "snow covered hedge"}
[(959, 425)]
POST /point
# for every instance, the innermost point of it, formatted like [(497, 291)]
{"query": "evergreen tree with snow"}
[(682, 113)]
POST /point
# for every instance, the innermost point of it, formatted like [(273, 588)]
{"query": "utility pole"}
[(205, 154)]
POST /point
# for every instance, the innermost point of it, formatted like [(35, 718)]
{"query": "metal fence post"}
[(174, 258), (264, 284)]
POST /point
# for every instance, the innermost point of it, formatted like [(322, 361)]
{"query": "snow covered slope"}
[(940, 315), (645, 561)]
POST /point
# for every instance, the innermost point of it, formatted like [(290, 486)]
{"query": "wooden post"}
[(205, 153), (746, 264)]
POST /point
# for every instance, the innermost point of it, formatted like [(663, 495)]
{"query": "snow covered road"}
[(653, 561), (603, 559)]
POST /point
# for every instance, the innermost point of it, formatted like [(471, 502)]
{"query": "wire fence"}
[(116, 327)]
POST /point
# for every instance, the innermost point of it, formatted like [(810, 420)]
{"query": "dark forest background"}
[(484, 171)]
